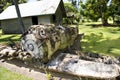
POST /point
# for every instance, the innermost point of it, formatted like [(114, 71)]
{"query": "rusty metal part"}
[(42, 41), (41, 45), (70, 64)]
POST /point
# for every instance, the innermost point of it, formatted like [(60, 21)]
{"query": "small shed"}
[(34, 13)]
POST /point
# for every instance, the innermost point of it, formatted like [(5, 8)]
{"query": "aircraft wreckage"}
[(57, 48)]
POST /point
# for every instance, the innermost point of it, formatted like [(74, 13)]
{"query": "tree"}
[(5, 3), (72, 9), (72, 13), (104, 11), (90, 10), (75, 3), (115, 10), (95, 9)]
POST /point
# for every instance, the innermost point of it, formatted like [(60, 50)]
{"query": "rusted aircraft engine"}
[(42, 41)]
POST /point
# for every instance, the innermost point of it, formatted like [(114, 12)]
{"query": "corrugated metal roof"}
[(42, 7)]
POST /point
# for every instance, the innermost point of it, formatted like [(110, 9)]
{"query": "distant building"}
[(40, 12)]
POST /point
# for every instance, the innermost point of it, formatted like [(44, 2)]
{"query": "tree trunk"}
[(113, 17), (103, 17), (104, 21)]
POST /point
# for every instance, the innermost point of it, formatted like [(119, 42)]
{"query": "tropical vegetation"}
[(5, 3), (94, 10)]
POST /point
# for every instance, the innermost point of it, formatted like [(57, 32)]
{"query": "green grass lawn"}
[(103, 40), (4, 73), (8, 75), (97, 39), (4, 38)]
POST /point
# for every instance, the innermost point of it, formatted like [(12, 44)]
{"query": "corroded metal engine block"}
[(42, 41)]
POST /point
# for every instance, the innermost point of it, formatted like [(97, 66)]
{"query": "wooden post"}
[(19, 16)]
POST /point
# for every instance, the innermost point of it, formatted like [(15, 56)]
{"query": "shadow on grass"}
[(97, 44), (99, 25), (6, 38)]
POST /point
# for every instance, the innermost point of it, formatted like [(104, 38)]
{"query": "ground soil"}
[(21, 68)]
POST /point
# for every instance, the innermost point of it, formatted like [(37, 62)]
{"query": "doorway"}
[(35, 20)]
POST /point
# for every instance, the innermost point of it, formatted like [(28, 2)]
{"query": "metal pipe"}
[(19, 16)]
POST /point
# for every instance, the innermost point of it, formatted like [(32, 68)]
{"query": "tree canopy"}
[(115, 10), (5, 3), (90, 9), (100, 9)]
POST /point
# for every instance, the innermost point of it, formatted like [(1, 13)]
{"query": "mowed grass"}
[(4, 38), (4, 73), (98, 39), (8, 75)]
